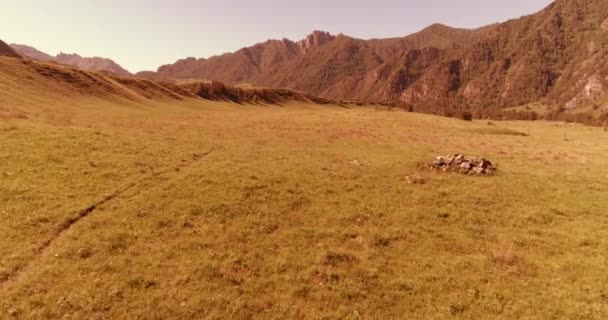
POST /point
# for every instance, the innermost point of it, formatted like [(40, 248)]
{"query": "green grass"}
[(537, 107), (298, 212), (595, 108), (499, 131)]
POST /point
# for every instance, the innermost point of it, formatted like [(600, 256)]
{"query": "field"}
[(210, 210)]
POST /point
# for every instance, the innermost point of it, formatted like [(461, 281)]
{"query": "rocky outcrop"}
[(316, 39), (458, 163)]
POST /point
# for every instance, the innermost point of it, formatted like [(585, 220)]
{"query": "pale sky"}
[(142, 35)]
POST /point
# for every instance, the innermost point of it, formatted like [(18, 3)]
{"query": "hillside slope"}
[(30, 82), (7, 51), (557, 56)]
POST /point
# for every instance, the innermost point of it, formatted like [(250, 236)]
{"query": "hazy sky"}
[(142, 35)]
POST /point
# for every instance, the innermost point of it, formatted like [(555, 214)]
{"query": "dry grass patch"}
[(300, 212)]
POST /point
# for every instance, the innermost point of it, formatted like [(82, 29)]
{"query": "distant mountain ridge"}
[(90, 64), (321, 64), (558, 56)]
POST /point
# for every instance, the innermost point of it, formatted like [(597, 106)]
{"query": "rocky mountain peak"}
[(316, 39)]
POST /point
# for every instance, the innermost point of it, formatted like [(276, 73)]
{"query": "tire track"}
[(15, 274)]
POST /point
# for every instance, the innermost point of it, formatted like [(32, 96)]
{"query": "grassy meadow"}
[(209, 210)]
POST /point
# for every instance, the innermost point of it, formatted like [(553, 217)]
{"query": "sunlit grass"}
[(299, 212)]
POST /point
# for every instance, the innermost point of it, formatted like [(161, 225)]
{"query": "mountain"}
[(90, 64), (32, 52), (558, 57), (326, 65), (7, 51)]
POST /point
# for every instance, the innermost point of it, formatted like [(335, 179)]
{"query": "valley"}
[(189, 208), (453, 173)]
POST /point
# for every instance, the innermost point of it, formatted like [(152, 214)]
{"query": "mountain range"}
[(337, 67), (557, 58), (85, 63)]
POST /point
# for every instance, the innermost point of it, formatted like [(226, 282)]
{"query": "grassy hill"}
[(7, 51), (25, 83)]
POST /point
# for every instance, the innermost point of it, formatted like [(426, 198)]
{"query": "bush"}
[(405, 106), (467, 116)]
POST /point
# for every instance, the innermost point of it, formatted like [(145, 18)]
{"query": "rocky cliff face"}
[(315, 40)]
